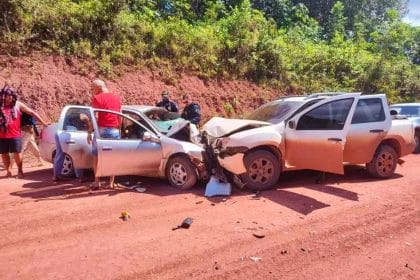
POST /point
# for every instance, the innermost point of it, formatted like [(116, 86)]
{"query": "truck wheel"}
[(181, 173), (263, 170), (417, 141), (384, 162)]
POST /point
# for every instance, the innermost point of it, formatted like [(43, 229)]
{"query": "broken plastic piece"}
[(216, 187), (186, 223)]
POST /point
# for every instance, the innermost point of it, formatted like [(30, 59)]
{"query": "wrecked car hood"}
[(220, 127)]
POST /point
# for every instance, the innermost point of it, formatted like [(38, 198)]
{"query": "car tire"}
[(181, 173), (68, 168), (384, 162), (417, 141), (263, 170)]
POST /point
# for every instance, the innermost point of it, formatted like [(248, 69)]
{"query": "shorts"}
[(10, 145), (109, 132)]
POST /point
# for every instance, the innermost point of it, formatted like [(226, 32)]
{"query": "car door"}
[(72, 133), (368, 128), (316, 137), (138, 151)]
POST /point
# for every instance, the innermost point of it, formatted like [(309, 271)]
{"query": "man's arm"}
[(31, 112)]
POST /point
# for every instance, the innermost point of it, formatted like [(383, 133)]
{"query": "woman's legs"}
[(6, 161)]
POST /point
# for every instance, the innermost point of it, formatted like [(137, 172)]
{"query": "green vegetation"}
[(354, 45)]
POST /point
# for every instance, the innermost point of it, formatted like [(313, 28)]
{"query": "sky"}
[(413, 16)]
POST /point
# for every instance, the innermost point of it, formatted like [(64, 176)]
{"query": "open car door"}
[(138, 151), (316, 137)]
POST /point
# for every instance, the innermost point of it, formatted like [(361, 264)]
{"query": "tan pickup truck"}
[(320, 132)]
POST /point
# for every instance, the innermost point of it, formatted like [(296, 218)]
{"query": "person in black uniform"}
[(192, 111), (167, 103)]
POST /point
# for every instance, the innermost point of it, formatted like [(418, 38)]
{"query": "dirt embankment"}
[(48, 83)]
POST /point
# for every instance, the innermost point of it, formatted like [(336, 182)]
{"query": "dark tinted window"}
[(368, 110), (131, 130), (329, 116), (73, 121)]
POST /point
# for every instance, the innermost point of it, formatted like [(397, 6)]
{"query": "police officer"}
[(192, 111), (167, 103)]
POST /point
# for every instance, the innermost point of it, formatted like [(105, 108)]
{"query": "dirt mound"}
[(48, 83)]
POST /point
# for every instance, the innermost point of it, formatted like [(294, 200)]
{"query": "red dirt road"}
[(347, 227)]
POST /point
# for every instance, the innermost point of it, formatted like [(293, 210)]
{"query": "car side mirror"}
[(291, 124), (147, 136), (393, 112)]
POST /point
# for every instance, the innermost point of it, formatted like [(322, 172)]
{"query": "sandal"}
[(20, 175)]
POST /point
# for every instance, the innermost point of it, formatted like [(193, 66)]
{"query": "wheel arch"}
[(269, 148), (394, 143)]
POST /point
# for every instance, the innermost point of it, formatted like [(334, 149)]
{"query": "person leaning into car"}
[(108, 124)]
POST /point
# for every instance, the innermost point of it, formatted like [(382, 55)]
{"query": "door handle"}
[(335, 139), (376, 130), (70, 142), (106, 148)]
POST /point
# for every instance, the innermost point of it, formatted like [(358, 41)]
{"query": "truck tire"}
[(384, 162), (181, 173), (263, 170), (417, 140)]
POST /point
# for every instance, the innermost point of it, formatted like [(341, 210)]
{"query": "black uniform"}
[(192, 113), (168, 105)]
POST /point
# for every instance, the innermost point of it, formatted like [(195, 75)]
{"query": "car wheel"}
[(263, 170), (68, 168), (417, 141), (384, 162), (181, 173)]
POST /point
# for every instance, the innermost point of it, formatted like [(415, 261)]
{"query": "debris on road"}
[(199, 202), (256, 259), (258, 235), (125, 216), (216, 187), (185, 224), (283, 252)]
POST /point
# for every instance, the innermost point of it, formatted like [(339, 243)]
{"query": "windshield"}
[(410, 111), (275, 111)]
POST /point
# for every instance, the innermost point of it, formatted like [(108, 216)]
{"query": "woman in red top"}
[(10, 133)]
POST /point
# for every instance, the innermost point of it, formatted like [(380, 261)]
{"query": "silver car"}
[(143, 148)]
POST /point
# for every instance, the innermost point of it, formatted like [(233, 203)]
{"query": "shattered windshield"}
[(275, 112)]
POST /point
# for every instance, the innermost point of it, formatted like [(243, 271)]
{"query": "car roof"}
[(141, 108), (405, 104)]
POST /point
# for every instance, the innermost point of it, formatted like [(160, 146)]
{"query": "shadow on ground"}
[(42, 188)]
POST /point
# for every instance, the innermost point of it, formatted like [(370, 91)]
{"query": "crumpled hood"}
[(219, 127)]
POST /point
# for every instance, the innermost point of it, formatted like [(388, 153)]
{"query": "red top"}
[(107, 101), (13, 125)]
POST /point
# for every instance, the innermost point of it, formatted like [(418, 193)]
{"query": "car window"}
[(131, 130), (368, 110), (73, 119), (329, 116), (407, 110), (304, 106), (139, 119)]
